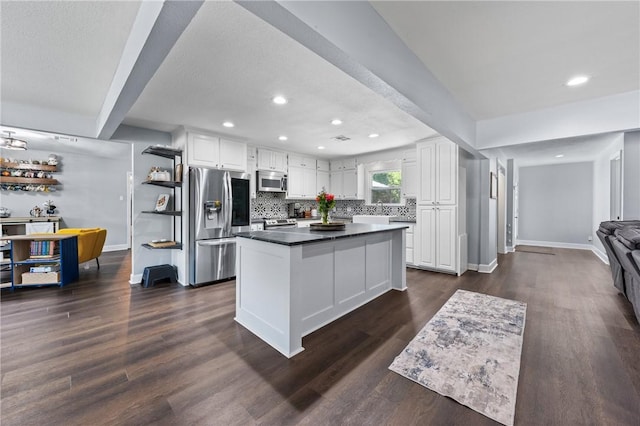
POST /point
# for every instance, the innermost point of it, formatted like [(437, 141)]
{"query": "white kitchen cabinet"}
[(409, 243), (437, 236), (212, 151), (344, 164), (409, 179), (344, 184), (272, 160), (437, 172), (323, 181), (252, 164), (297, 160), (233, 155), (322, 165), (301, 183)]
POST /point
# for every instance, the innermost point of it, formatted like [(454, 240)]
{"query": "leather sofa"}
[(606, 234), (625, 244), (90, 242)]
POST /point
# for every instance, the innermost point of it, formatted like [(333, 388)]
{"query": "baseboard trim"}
[(135, 279), (555, 244), (116, 247), (487, 269), (602, 256), (511, 249), (472, 267)]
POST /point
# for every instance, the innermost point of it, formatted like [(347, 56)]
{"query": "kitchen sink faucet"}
[(380, 206)]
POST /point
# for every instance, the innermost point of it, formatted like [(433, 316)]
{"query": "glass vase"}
[(325, 217)]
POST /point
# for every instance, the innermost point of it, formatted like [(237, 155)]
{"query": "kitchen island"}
[(291, 282)]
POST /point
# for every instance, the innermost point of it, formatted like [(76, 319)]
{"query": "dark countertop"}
[(296, 236), (402, 219)]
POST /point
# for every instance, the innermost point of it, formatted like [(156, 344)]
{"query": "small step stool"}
[(154, 274)]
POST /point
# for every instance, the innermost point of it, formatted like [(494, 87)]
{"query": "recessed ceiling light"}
[(282, 138), (374, 135), (577, 80), (336, 122), (228, 124), (559, 155), (279, 100), (321, 147)]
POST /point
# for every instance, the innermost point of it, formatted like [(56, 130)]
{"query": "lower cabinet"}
[(409, 236), (437, 238)]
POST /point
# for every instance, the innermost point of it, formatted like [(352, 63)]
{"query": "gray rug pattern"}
[(470, 351)]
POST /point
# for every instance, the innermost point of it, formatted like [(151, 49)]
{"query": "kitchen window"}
[(384, 183)]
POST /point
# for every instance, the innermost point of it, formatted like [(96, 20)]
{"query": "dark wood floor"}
[(101, 352)]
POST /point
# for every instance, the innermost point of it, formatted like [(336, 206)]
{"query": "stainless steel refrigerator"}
[(219, 206)]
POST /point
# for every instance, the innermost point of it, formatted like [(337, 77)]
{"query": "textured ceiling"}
[(62, 54), (496, 58), (499, 58), (228, 65)]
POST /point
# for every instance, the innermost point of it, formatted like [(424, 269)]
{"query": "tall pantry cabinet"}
[(440, 239)]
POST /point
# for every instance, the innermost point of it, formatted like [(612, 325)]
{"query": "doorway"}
[(616, 187), (502, 211)]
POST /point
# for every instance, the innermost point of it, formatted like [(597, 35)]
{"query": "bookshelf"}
[(43, 260)]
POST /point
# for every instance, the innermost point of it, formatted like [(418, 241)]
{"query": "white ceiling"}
[(499, 58), (573, 150), (229, 64), (496, 58)]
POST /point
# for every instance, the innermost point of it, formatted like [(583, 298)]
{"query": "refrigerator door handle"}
[(217, 242)]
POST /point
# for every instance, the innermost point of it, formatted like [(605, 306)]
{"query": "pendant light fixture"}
[(9, 142)]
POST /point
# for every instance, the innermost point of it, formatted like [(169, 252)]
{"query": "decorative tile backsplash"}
[(273, 205)]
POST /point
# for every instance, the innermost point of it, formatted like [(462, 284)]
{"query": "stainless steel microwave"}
[(270, 181)]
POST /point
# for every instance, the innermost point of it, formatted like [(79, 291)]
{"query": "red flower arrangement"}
[(325, 203)]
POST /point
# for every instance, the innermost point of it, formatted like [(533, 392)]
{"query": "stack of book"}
[(44, 249)]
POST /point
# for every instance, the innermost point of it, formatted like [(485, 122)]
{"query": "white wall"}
[(602, 187), (93, 177), (556, 204), (631, 179)]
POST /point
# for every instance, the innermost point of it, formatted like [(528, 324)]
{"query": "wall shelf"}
[(164, 183), (165, 213), (28, 166), (172, 247), (35, 181)]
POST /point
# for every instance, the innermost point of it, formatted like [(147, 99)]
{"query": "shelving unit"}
[(21, 180), (66, 260), (174, 155)]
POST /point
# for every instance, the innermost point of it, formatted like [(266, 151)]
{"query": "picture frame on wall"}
[(162, 202), (493, 190)]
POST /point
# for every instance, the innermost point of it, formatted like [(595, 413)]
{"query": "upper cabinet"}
[(344, 179), (252, 164), (437, 172), (272, 160), (409, 178), (212, 151), (323, 179), (297, 160), (344, 164)]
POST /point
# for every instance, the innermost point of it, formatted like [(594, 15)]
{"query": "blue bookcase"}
[(62, 260)]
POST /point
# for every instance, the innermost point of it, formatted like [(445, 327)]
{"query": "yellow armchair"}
[(90, 242)]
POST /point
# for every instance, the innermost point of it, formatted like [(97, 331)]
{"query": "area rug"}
[(470, 351)]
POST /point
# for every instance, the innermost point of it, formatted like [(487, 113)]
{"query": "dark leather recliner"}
[(626, 244), (606, 234)]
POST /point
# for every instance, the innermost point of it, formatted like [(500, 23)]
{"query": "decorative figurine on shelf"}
[(36, 212), (49, 207), (325, 203)]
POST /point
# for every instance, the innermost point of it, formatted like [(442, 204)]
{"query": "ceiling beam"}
[(353, 37), (155, 30)]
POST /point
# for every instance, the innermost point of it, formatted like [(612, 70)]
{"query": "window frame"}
[(382, 167)]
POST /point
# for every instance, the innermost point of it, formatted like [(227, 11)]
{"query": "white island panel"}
[(285, 292)]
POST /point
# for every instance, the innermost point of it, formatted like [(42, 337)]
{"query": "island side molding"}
[(285, 292)]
